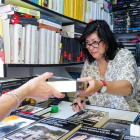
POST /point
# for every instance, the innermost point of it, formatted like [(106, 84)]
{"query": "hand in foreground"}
[(38, 89), (94, 86), (79, 106)]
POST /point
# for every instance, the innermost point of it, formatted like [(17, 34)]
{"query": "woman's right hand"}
[(79, 106)]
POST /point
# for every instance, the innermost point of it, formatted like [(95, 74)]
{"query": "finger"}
[(84, 79), (46, 75), (57, 93)]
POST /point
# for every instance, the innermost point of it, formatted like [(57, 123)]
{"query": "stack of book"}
[(21, 125)]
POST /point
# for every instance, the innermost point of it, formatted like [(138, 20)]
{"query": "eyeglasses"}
[(94, 44)]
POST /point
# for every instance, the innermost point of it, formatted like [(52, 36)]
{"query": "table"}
[(65, 111)]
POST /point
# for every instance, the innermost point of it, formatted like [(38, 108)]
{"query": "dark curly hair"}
[(105, 34)]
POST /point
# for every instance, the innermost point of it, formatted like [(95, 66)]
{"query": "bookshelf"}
[(28, 4), (65, 20), (116, 7)]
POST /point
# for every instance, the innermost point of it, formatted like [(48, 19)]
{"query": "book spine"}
[(26, 11), (50, 4), (57, 48), (2, 54), (50, 19), (11, 41), (42, 46), (33, 44), (53, 47), (49, 43), (23, 46), (28, 44), (17, 43)]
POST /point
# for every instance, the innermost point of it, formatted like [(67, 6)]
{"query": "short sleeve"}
[(127, 68), (84, 70)]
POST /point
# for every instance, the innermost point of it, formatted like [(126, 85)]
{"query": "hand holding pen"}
[(78, 104)]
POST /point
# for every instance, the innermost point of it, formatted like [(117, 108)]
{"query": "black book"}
[(90, 117), (118, 126), (16, 121), (51, 128), (91, 133)]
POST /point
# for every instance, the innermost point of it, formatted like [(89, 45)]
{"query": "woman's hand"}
[(94, 86), (79, 105), (38, 89)]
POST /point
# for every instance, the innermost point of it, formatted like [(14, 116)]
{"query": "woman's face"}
[(96, 53)]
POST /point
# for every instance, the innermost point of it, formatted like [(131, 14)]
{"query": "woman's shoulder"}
[(123, 53)]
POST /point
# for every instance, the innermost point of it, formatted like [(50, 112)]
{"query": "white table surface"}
[(65, 111)]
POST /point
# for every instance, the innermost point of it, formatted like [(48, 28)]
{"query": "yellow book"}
[(74, 9), (26, 11), (77, 9), (66, 7), (80, 9), (42, 3), (83, 10)]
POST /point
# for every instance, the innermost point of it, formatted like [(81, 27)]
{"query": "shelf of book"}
[(28, 4), (124, 6), (41, 65)]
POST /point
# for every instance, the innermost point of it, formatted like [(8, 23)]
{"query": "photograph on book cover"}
[(86, 136), (13, 123), (89, 115), (118, 127), (39, 132), (31, 109)]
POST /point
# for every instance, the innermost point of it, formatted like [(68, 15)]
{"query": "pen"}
[(26, 112), (81, 102)]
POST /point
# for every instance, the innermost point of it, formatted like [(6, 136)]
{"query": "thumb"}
[(46, 75), (86, 79)]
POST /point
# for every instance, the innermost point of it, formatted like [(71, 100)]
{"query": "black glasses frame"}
[(92, 44)]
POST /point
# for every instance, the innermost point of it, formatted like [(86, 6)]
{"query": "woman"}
[(110, 70), (37, 88)]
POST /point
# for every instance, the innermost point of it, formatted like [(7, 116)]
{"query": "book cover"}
[(91, 133), (51, 128), (90, 117), (16, 121), (30, 109), (118, 126), (26, 11)]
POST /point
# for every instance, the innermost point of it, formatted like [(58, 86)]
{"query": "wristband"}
[(15, 95)]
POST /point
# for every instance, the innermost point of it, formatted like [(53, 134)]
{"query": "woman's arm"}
[(120, 88), (37, 88)]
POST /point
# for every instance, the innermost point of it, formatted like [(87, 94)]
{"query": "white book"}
[(11, 41), (53, 47), (50, 4), (5, 8), (57, 42), (46, 22), (60, 47), (54, 5), (23, 46), (58, 6), (37, 48), (42, 42), (17, 43), (33, 44), (49, 44), (6, 34), (28, 35), (61, 7), (45, 47)]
